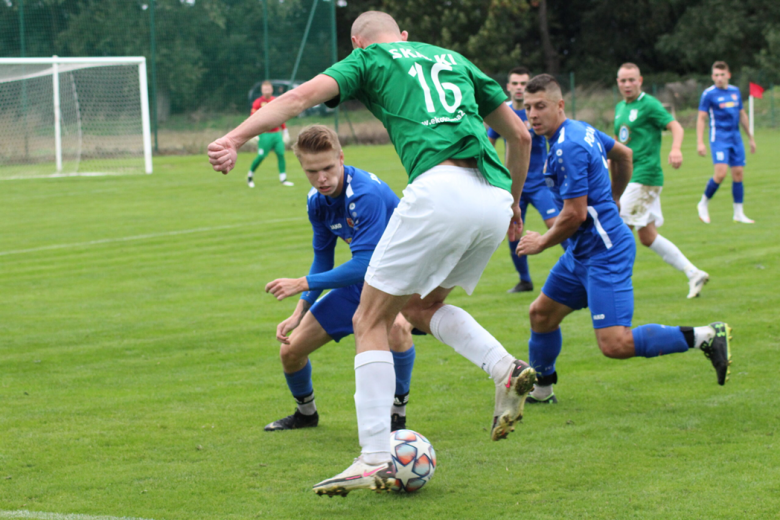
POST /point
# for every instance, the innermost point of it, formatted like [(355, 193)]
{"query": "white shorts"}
[(448, 224), (640, 205)]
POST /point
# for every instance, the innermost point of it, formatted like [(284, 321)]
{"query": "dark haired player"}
[(595, 271)]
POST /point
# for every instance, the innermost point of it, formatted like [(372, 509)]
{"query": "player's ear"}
[(404, 36), (355, 43)]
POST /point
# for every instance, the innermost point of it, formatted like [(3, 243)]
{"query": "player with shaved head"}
[(639, 120), (459, 203), (595, 271)]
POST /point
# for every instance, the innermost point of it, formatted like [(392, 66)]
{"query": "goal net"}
[(73, 116)]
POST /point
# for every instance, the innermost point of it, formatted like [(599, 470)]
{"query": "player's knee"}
[(736, 174), (646, 239), (400, 336), (541, 318), (291, 360)]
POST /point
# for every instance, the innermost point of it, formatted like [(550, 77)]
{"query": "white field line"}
[(59, 516), (141, 237), (61, 175)]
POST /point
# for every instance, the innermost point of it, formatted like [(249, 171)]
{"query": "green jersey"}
[(431, 101), (638, 125)]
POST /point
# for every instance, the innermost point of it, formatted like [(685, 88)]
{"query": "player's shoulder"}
[(314, 203), (708, 91), (359, 183)]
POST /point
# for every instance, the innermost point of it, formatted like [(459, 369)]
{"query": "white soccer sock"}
[(738, 211), (306, 406), (282, 177), (455, 327), (672, 255), (702, 335), (542, 392), (250, 174), (704, 200), (374, 390)]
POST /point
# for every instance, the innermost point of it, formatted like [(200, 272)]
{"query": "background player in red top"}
[(273, 140)]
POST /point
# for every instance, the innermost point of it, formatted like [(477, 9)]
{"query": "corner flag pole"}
[(750, 114)]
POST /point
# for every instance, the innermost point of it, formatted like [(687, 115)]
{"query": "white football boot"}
[(696, 283), (376, 477), (511, 392), (704, 212)]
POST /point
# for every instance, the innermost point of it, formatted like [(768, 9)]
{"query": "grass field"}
[(138, 364)]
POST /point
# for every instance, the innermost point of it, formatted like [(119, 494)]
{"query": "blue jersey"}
[(358, 216), (535, 178), (723, 106), (577, 166)]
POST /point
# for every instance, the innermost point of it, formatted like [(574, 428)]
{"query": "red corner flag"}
[(757, 91)]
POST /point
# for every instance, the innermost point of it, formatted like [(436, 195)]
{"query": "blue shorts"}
[(729, 151), (541, 198), (334, 311), (601, 283)]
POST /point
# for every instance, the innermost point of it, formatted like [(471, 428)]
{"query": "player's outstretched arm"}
[(573, 214), (678, 133), (701, 125), (518, 156), (621, 160), (222, 152), (745, 121)]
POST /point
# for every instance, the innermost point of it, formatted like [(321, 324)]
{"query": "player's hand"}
[(516, 224), (675, 158), (287, 326), (530, 244), (285, 137), (283, 288), (701, 149), (222, 155), (752, 145)]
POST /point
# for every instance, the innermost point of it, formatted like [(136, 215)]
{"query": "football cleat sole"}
[(379, 482)]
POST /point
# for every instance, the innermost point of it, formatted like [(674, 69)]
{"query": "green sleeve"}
[(349, 74), (660, 117), (487, 92)]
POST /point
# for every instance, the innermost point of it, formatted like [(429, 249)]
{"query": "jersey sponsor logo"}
[(350, 223), (728, 104), (624, 134), (633, 114), (598, 316), (335, 226)]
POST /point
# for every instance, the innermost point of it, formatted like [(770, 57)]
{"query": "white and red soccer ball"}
[(414, 459)]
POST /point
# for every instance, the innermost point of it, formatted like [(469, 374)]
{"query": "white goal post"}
[(74, 116)]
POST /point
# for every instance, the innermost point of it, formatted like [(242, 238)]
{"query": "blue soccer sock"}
[(543, 350), (656, 340), (521, 262), (738, 192), (711, 188), (300, 382), (404, 362)]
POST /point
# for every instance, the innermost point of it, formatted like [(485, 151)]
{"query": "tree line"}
[(210, 52)]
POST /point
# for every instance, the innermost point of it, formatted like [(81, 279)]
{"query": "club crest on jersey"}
[(350, 223), (624, 134), (734, 97), (633, 114)]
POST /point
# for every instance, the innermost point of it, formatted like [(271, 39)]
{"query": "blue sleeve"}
[(607, 141), (571, 169), (704, 103), (348, 273), (324, 243), (493, 134), (369, 215)]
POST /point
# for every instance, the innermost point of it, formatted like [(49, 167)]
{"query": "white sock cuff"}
[(373, 356)]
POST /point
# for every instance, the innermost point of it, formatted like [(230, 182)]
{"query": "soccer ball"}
[(414, 459)]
